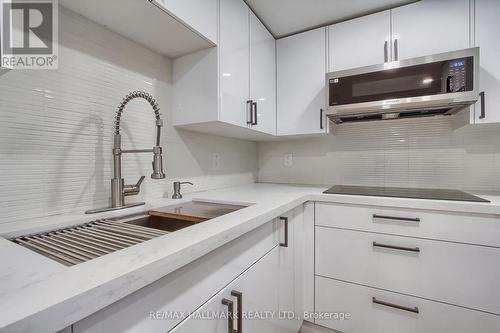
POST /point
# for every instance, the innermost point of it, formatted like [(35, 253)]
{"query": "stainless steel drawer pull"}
[(395, 247), (230, 314), (239, 310), (285, 220), (396, 218), (395, 306)]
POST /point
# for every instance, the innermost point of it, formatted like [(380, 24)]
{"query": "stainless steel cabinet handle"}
[(285, 220), (396, 218), (230, 314), (386, 52), (483, 106), (321, 118), (395, 306), (395, 247), (249, 112), (396, 50), (239, 315), (254, 117)]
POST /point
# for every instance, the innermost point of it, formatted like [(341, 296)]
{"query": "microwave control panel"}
[(456, 79)]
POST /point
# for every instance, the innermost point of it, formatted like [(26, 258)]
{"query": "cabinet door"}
[(486, 37), (360, 42), (301, 83), (199, 14), (290, 296), (257, 288), (430, 26), (262, 76), (233, 61)]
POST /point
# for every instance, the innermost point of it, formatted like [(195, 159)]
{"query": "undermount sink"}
[(74, 245), (180, 216)]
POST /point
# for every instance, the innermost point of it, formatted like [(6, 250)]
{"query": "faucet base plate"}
[(109, 209)]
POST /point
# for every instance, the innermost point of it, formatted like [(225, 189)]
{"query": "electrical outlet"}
[(215, 161), (288, 161)]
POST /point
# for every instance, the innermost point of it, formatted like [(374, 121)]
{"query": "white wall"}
[(418, 153), (56, 129)]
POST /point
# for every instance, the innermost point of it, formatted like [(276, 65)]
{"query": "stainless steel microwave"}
[(440, 84)]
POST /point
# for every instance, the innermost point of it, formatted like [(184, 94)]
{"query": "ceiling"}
[(286, 17)]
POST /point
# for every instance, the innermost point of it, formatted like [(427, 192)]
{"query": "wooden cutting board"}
[(195, 211)]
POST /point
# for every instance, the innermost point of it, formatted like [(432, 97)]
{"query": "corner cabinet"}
[(301, 69), (487, 26), (229, 90)]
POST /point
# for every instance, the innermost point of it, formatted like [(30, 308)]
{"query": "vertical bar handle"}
[(230, 314), (396, 49), (483, 106), (254, 117), (386, 51), (285, 220), (239, 315), (321, 111), (249, 111)]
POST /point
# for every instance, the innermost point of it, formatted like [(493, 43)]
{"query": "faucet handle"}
[(133, 189)]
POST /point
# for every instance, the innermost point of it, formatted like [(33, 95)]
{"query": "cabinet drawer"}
[(459, 274), (184, 290), (367, 316), (473, 229)]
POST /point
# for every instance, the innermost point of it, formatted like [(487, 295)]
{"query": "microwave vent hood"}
[(437, 85)]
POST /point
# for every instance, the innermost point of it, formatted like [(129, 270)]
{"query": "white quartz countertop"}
[(40, 295)]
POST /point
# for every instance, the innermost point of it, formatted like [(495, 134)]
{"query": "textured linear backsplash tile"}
[(56, 129), (423, 152)]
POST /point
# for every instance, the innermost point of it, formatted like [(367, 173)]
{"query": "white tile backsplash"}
[(423, 152), (56, 129)]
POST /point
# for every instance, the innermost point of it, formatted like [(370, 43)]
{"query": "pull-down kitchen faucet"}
[(118, 188)]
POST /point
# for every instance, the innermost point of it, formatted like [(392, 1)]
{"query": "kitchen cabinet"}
[(262, 77), (443, 260), (301, 68), (428, 27), (368, 316), (254, 293), (291, 286), (201, 15), (229, 90), (422, 28), (360, 42), (487, 25), (184, 290), (233, 61)]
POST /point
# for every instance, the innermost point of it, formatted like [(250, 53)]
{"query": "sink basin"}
[(74, 245), (183, 215)]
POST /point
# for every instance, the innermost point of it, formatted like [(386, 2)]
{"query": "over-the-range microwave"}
[(441, 84)]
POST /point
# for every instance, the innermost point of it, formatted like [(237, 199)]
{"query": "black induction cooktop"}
[(404, 192)]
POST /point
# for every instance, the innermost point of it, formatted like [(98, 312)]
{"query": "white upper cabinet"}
[(201, 15), (262, 76), (487, 28), (233, 61), (428, 27), (301, 83), (360, 42)]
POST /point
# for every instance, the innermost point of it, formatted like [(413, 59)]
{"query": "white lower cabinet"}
[(250, 298), (379, 311), (159, 306), (454, 273)]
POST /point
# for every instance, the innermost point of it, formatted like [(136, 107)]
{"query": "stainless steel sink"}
[(71, 246)]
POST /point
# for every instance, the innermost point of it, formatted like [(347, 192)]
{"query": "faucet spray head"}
[(157, 164)]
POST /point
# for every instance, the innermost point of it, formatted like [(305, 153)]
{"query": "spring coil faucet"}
[(118, 188)]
